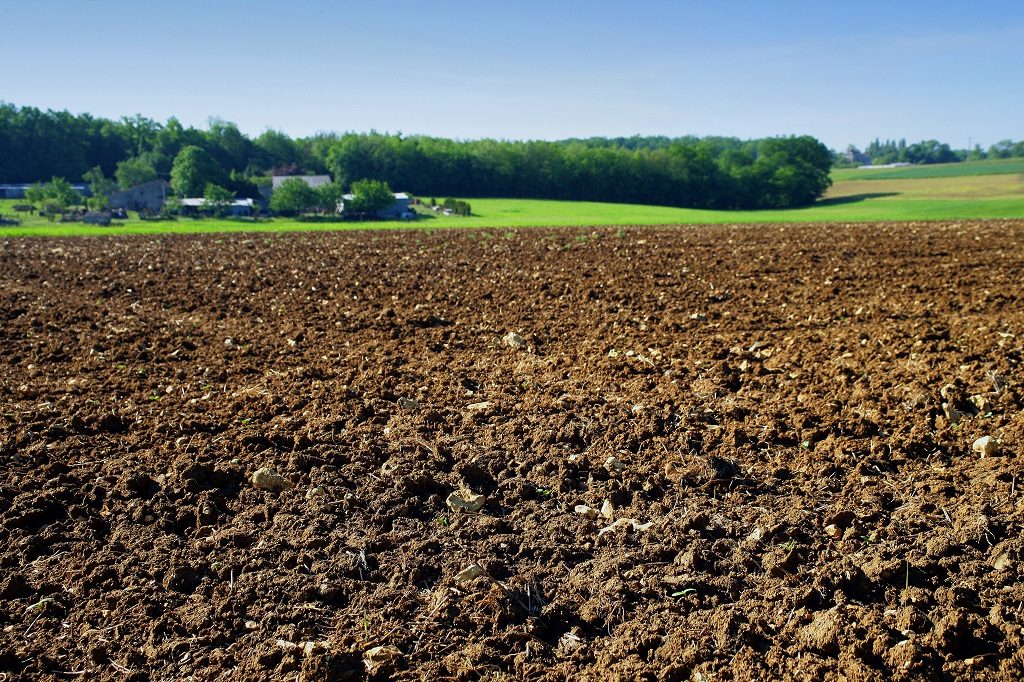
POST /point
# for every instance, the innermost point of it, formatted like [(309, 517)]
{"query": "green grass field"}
[(905, 194), (938, 170)]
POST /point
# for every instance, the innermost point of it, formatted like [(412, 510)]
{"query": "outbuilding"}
[(149, 196), (400, 208), (239, 208)]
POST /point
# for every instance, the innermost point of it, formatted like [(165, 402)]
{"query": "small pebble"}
[(468, 573), (614, 464), (630, 523), (380, 657), (268, 479), (513, 340), (465, 501), (952, 414), (986, 446)]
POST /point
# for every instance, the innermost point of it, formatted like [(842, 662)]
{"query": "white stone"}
[(613, 463), (408, 404), (468, 573), (628, 523), (268, 479), (986, 446), (380, 657), (513, 340), (465, 501)]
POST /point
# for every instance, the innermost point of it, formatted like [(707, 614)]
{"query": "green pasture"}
[(852, 198), (938, 170)]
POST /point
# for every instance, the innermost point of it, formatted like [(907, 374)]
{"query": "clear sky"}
[(845, 72)]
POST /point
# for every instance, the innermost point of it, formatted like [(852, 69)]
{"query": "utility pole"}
[(969, 148)]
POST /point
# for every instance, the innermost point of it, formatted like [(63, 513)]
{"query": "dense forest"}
[(721, 173)]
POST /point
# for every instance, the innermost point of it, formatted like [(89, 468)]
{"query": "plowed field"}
[(703, 453)]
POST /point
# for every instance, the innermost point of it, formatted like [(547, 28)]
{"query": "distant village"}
[(156, 198)]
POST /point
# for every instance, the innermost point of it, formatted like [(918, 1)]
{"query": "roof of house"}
[(200, 201), (311, 180), (77, 186), (142, 185), (398, 196)]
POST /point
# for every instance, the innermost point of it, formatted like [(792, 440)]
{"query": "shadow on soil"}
[(855, 198)]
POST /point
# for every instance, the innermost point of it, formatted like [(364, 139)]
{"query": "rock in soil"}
[(986, 446), (514, 340), (266, 478), (465, 501)]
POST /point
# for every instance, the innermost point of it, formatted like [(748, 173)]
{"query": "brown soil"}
[(768, 399)]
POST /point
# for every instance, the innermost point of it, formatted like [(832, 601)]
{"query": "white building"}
[(400, 209), (238, 207)]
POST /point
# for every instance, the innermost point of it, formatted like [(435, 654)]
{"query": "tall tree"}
[(369, 196), (134, 171), (54, 196), (193, 169), (100, 186), (294, 197), (330, 195), (218, 199), (797, 168)]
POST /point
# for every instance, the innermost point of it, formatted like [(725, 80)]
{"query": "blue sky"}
[(843, 72)]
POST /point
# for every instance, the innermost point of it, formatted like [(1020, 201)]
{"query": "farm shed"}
[(17, 190), (239, 207), (14, 191), (149, 196), (400, 209)]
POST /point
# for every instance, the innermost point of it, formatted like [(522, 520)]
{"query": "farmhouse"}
[(239, 207), (149, 196), (400, 209), (854, 155)]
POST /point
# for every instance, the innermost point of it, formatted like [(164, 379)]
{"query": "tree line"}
[(928, 151), (714, 172)]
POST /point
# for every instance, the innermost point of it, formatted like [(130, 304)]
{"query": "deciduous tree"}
[(134, 171), (100, 186), (54, 196), (218, 199), (330, 195), (193, 169), (369, 196), (293, 197)]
